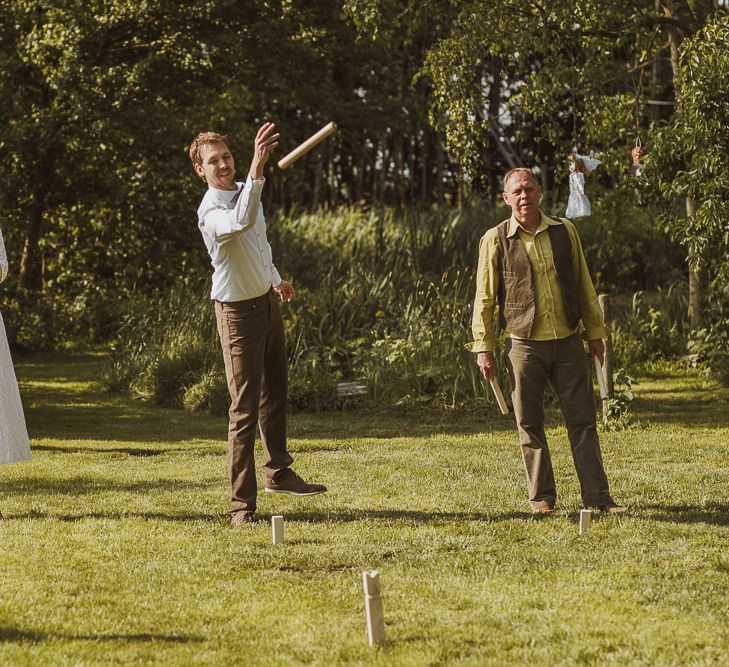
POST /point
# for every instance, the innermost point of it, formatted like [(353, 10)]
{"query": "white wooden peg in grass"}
[(373, 608), (585, 520), (277, 528)]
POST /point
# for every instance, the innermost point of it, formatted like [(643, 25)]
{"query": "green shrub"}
[(163, 381), (383, 298), (711, 347), (624, 249), (209, 393), (650, 332), (312, 384)]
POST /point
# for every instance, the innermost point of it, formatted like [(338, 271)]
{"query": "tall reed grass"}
[(384, 298)]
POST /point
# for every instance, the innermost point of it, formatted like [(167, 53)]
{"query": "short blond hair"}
[(521, 170), (201, 140)]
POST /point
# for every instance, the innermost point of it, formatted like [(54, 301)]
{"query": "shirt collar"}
[(224, 195), (545, 221)]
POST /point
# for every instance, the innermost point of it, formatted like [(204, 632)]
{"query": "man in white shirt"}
[(245, 285)]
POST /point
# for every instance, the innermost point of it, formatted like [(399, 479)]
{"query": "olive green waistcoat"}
[(517, 303)]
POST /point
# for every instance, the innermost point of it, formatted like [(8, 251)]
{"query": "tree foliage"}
[(690, 154), (521, 83), (100, 100), (436, 99)]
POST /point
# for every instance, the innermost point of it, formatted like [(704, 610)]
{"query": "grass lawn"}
[(116, 548)]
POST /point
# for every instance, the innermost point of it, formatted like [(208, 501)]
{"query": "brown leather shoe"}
[(291, 483), (544, 509), (613, 508), (242, 518)]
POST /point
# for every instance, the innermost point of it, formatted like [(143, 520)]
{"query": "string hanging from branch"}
[(637, 152)]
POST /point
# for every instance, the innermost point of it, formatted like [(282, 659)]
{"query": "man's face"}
[(522, 194), (218, 166)]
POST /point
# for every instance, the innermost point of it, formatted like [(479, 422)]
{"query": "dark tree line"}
[(435, 99), (100, 100)]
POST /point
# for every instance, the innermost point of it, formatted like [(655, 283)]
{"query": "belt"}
[(256, 300)]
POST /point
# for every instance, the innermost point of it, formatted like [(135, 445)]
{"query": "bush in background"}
[(393, 313), (653, 331), (384, 299)]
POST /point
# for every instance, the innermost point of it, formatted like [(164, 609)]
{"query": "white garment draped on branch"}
[(13, 433)]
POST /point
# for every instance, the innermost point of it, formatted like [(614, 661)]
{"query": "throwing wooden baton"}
[(303, 149)]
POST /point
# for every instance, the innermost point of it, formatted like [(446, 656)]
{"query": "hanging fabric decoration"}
[(578, 204)]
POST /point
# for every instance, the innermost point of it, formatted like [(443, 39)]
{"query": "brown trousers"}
[(562, 363), (254, 351)]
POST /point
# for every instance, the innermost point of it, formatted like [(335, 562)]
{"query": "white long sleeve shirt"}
[(235, 236)]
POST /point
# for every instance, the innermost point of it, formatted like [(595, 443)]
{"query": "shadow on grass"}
[(348, 516), (715, 514), (711, 410), (147, 516), (65, 401), (334, 516), (78, 486), (138, 452), (18, 635), (95, 416)]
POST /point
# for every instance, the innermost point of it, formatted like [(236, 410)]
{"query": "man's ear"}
[(200, 171), (505, 197)]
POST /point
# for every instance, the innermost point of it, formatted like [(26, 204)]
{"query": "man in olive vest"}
[(534, 268)]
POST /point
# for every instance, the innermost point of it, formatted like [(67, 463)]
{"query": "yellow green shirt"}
[(550, 319)]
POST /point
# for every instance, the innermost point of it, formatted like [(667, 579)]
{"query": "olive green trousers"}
[(563, 363)]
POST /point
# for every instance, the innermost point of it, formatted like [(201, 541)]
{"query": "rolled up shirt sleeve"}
[(222, 224), (593, 321), (487, 285)]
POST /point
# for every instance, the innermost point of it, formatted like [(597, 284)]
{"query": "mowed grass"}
[(116, 547)]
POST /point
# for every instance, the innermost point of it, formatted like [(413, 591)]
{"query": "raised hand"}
[(266, 140)]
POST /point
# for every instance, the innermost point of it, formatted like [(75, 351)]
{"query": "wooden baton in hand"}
[(499, 396), (600, 373), (303, 149)]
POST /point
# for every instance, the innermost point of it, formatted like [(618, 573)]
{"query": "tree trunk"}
[(440, 164), (680, 10), (331, 181), (494, 68), (29, 275), (316, 190), (426, 194), (399, 170), (695, 287)]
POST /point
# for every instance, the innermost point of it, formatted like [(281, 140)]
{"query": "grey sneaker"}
[(242, 518), (291, 483)]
